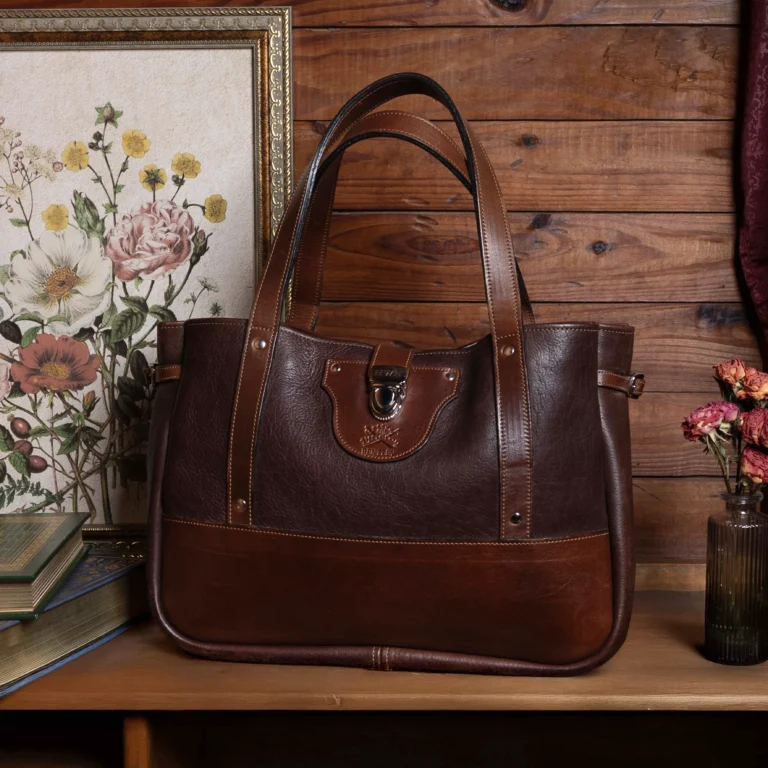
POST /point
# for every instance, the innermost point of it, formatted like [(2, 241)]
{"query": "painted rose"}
[(151, 242), (65, 274), (54, 364), (712, 417), (731, 371), (754, 427), (5, 380), (754, 464), (754, 385)]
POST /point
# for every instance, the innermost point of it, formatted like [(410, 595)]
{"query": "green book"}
[(37, 553)]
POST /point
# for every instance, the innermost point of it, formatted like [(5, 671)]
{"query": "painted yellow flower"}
[(152, 178), (75, 156), (56, 217), (184, 164), (215, 209), (135, 143)]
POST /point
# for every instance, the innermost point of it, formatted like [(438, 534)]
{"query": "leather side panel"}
[(542, 602), (568, 476), (196, 475)]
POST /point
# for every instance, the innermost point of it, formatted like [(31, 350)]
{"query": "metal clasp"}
[(387, 390), (636, 385)]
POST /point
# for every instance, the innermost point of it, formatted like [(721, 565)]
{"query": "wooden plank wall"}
[(610, 124)]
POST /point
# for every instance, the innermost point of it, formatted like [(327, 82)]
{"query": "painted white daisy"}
[(65, 273)]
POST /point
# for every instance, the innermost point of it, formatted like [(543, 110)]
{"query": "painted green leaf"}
[(3, 471), (126, 323), (119, 188), (29, 335), (87, 215), (84, 334), (135, 301), (108, 316), (33, 317), (18, 222), (168, 295), (5, 274), (37, 432), (163, 314), (138, 366), (65, 430), (69, 445), (6, 439), (130, 388), (127, 408), (18, 461)]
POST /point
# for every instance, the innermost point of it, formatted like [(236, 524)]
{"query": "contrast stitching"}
[(243, 366), (197, 324), (288, 534), (427, 431), (521, 363)]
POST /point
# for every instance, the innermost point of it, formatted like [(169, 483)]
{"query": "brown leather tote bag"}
[(316, 501)]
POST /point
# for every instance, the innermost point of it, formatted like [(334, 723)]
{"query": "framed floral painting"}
[(144, 164)]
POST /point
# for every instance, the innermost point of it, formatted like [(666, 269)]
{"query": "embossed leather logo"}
[(376, 434)]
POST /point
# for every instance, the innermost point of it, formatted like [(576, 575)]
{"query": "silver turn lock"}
[(387, 390)]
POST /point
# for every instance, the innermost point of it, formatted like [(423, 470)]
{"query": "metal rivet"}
[(508, 351), (258, 344), (335, 367), (516, 518), (451, 376), (239, 505)]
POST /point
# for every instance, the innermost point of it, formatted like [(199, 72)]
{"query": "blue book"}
[(104, 593)]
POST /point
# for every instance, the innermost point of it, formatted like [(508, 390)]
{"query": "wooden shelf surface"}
[(660, 667)]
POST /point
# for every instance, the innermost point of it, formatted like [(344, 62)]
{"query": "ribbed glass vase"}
[(736, 622)]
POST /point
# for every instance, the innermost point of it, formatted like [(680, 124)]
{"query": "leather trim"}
[(631, 384), (166, 373), (359, 433)]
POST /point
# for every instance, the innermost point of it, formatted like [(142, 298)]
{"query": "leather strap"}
[(513, 412), (632, 385), (307, 280)]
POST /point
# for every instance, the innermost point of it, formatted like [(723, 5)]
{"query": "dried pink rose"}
[(754, 464), (151, 242), (731, 371), (754, 385), (713, 416), (754, 427)]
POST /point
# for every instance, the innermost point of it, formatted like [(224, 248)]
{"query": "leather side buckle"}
[(387, 390), (636, 385)]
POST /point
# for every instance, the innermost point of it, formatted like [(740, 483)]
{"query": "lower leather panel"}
[(542, 601)]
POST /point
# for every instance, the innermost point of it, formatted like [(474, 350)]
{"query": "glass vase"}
[(736, 621)]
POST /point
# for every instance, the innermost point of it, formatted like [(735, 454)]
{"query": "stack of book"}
[(59, 595)]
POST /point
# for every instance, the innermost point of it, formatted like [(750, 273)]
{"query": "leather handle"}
[(504, 304), (307, 280)]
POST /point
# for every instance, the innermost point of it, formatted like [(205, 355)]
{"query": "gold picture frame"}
[(195, 84)]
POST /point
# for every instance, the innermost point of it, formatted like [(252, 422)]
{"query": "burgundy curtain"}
[(753, 236)]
